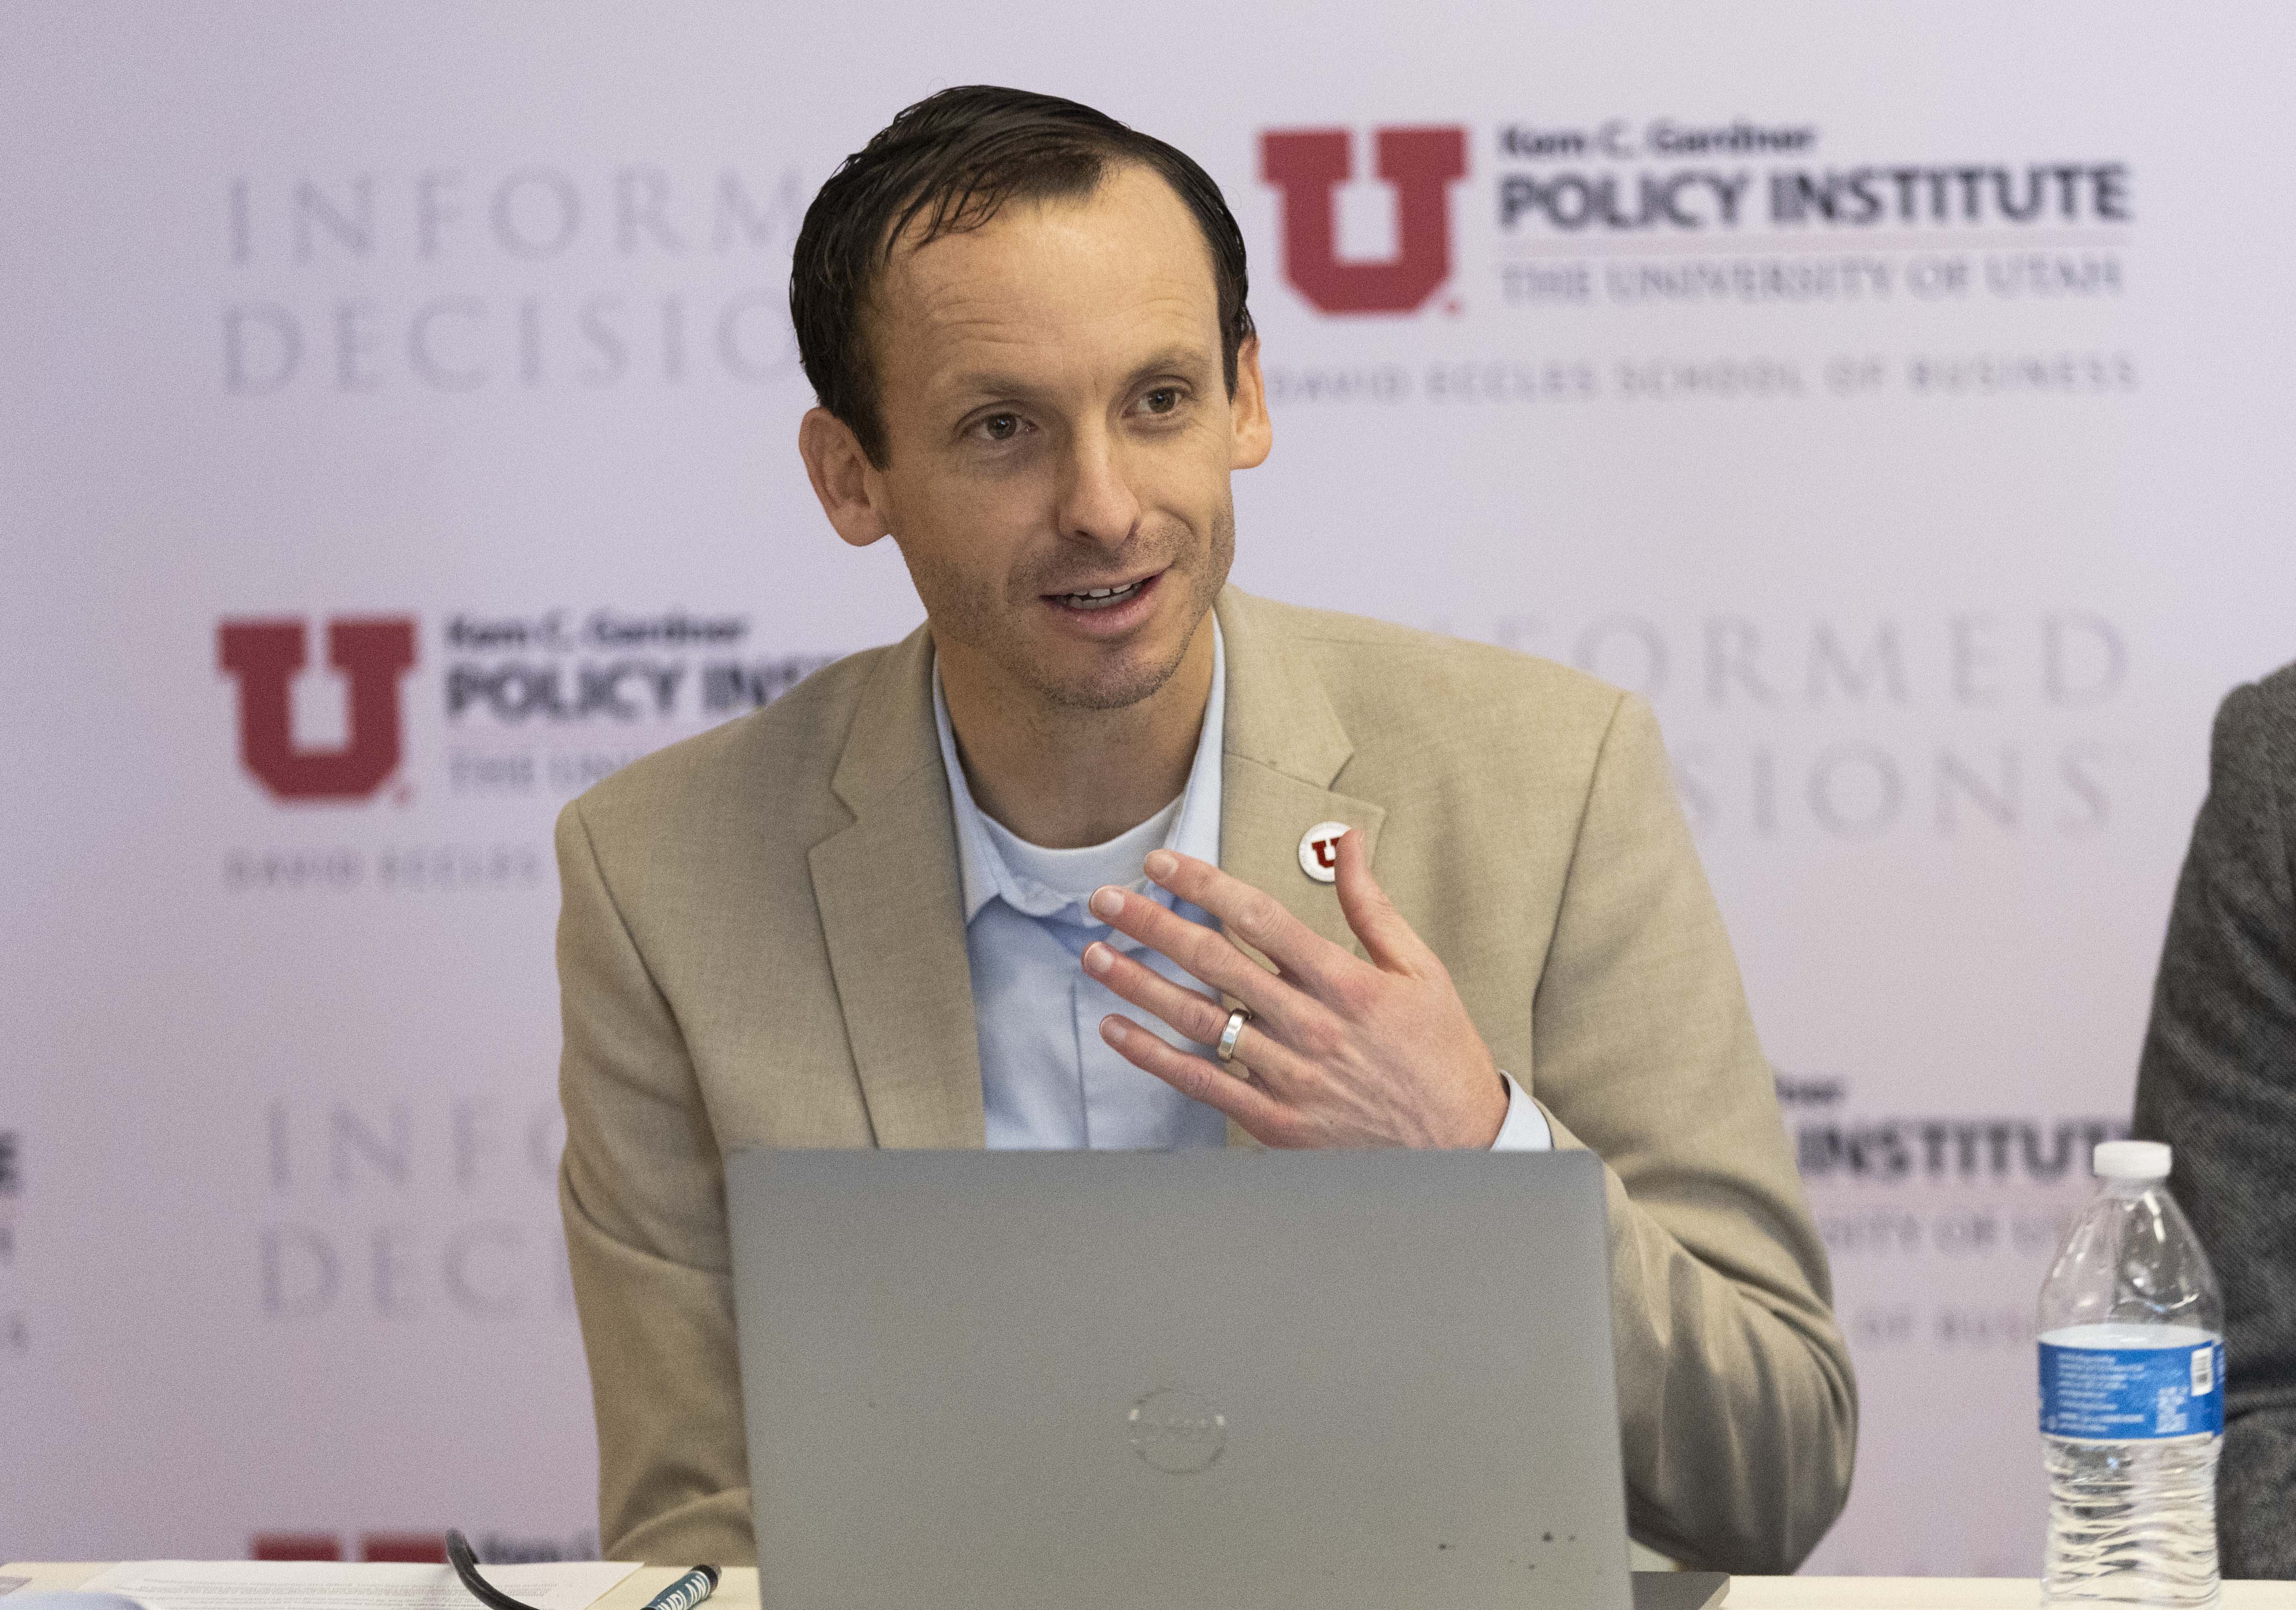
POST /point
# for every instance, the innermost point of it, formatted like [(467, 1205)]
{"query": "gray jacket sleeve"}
[(2217, 1082)]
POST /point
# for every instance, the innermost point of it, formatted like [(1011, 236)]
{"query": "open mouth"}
[(1102, 598)]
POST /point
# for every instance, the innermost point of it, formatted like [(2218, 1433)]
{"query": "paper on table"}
[(312, 1585)]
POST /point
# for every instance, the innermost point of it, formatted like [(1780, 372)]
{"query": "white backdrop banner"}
[(397, 423)]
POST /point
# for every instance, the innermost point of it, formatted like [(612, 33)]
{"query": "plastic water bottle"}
[(2132, 1395)]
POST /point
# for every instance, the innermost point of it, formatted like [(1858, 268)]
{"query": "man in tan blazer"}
[(1026, 327)]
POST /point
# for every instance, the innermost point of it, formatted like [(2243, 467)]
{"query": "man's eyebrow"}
[(1171, 360), (987, 383)]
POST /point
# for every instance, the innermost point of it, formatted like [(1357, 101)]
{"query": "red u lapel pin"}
[(1319, 852)]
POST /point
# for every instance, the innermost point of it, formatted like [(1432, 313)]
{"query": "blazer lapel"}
[(1284, 746), (892, 913)]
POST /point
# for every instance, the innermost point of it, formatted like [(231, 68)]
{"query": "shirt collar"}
[(986, 874)]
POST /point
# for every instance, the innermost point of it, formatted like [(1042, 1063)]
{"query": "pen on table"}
[(687, 1590)]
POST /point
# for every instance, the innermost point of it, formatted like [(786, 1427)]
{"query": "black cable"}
[(466, 1566)]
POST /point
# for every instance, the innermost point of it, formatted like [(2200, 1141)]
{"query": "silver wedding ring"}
[(1236, 1019)]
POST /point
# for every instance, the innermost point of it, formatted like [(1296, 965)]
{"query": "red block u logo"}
[(1309, 165), (265, 656)]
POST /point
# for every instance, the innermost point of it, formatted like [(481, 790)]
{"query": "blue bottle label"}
[(2132, 1394)]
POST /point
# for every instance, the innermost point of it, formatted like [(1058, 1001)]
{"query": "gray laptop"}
[(1121, 1380)]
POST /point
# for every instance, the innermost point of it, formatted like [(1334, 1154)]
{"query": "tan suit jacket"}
[(762, 944)]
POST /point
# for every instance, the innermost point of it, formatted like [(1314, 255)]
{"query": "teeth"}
[(1099, 597)]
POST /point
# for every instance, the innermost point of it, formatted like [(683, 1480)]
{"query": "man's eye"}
[(1163, 400), (1001, 427)]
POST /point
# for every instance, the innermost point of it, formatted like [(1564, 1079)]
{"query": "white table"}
[(739, 1591)]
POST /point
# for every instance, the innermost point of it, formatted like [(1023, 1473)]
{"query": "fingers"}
[(1387, 939), (1191, 1015), (1255, 916), (1194, 1016), (1199, 1078), (1205, 953)]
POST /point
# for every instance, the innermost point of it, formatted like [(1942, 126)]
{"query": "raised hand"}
[(1339, 1051)]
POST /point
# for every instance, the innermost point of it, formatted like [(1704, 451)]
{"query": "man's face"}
[(1057, 426)]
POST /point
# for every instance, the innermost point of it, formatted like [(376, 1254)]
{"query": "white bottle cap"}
[(2132, 1160)]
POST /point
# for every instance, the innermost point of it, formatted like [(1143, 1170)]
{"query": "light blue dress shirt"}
[(1048, 1081)]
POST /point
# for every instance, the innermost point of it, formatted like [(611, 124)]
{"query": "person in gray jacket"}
[(2217, 1082)]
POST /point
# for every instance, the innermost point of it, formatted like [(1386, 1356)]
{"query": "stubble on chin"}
[(963, 609)]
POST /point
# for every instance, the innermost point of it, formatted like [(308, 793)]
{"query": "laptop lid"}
[(1125, 1380)]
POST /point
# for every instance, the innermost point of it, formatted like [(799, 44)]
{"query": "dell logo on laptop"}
[(1176, 1431)]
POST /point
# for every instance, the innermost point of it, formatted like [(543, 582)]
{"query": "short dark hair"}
[(955, 159)]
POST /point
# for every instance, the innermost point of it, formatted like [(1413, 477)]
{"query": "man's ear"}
[(851, 492), (1255, 434)]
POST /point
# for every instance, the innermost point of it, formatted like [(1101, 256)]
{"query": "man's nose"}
[(1097, 503)]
